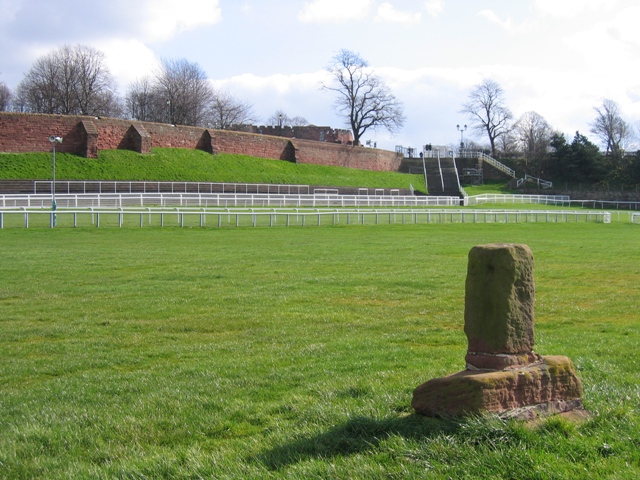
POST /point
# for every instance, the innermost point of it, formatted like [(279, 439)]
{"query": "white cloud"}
[(571, 8), (279, 83), (388, 14), (323, 11), (128, 60), (434, 7), (615, 45), (166, 18), (506, 24)]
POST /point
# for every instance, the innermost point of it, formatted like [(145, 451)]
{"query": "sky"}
[(559, 58)]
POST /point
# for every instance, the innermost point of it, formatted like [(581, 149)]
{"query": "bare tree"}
[(73, 80), (184, 91), (611, 129), (534, 138), (363, 99), (5, 97), (298, 121), (225, 111), (142, 100), (487, 111), (95, 87), (279, 118)]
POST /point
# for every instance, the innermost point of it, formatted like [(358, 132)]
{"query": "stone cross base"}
[(504, 375), (547, 387)]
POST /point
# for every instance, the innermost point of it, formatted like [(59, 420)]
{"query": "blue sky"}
[(560, 58)]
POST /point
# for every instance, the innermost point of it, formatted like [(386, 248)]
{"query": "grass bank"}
[(293, 353), (185, 165)]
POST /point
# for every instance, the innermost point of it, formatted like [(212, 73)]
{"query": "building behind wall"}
[(307, 132)]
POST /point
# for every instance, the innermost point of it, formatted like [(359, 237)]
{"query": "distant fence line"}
[(29, 218), (223, 200), (116, 186), (556, 200), (320, 198)]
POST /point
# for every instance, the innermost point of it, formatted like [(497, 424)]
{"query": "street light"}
[(461, 130), (53, 139)]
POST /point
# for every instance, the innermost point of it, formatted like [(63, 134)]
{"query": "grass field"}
[(293, 352), (185, 165)]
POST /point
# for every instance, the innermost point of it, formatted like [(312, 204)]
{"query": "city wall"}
[(86, 135)]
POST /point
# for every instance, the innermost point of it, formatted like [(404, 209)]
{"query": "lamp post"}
[(461, 130), (53, 139)]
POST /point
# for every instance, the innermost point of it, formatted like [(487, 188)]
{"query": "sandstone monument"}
[(503, 374)]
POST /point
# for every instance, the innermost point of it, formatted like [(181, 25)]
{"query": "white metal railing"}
[(117, 186), (440, 170), (29, 218), (117, 200), (561, 200), (460, 189), (538, 181), (424, 170), (617, 204), (491, 161)]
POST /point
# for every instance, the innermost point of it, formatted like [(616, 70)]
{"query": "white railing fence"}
[(30, 218), (562, 200), (538, 181), (104, 186), (617, 204), (223, 200)]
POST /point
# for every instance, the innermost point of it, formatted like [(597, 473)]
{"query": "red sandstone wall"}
[(30, 133), (346, 156), (228, 141)]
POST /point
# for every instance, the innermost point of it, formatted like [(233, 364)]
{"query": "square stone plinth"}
[(551, 385)]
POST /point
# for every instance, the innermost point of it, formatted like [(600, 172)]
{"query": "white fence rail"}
[(617, 204), (538, 181), (30, 218), (562, 200), (223, 200), (117, 186)]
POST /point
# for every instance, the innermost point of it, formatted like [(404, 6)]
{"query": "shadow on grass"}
[(357, 435)]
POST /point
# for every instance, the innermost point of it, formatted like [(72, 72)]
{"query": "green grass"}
[(293, 353), (491, 186), (181, 165)]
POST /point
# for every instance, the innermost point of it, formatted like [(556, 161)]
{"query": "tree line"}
[(75, 80), (547, 153)]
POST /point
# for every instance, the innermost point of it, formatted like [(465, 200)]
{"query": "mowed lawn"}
[(293, 352)]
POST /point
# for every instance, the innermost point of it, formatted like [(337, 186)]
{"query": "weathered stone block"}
[(503, 374), (499, 300), (550, 385)]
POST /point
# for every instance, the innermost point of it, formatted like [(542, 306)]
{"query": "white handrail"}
[(528, 178), (500, 166), (440, 169), (460, 189)]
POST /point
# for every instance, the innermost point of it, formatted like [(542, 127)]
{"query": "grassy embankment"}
[(182, 165), (293, 353)]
